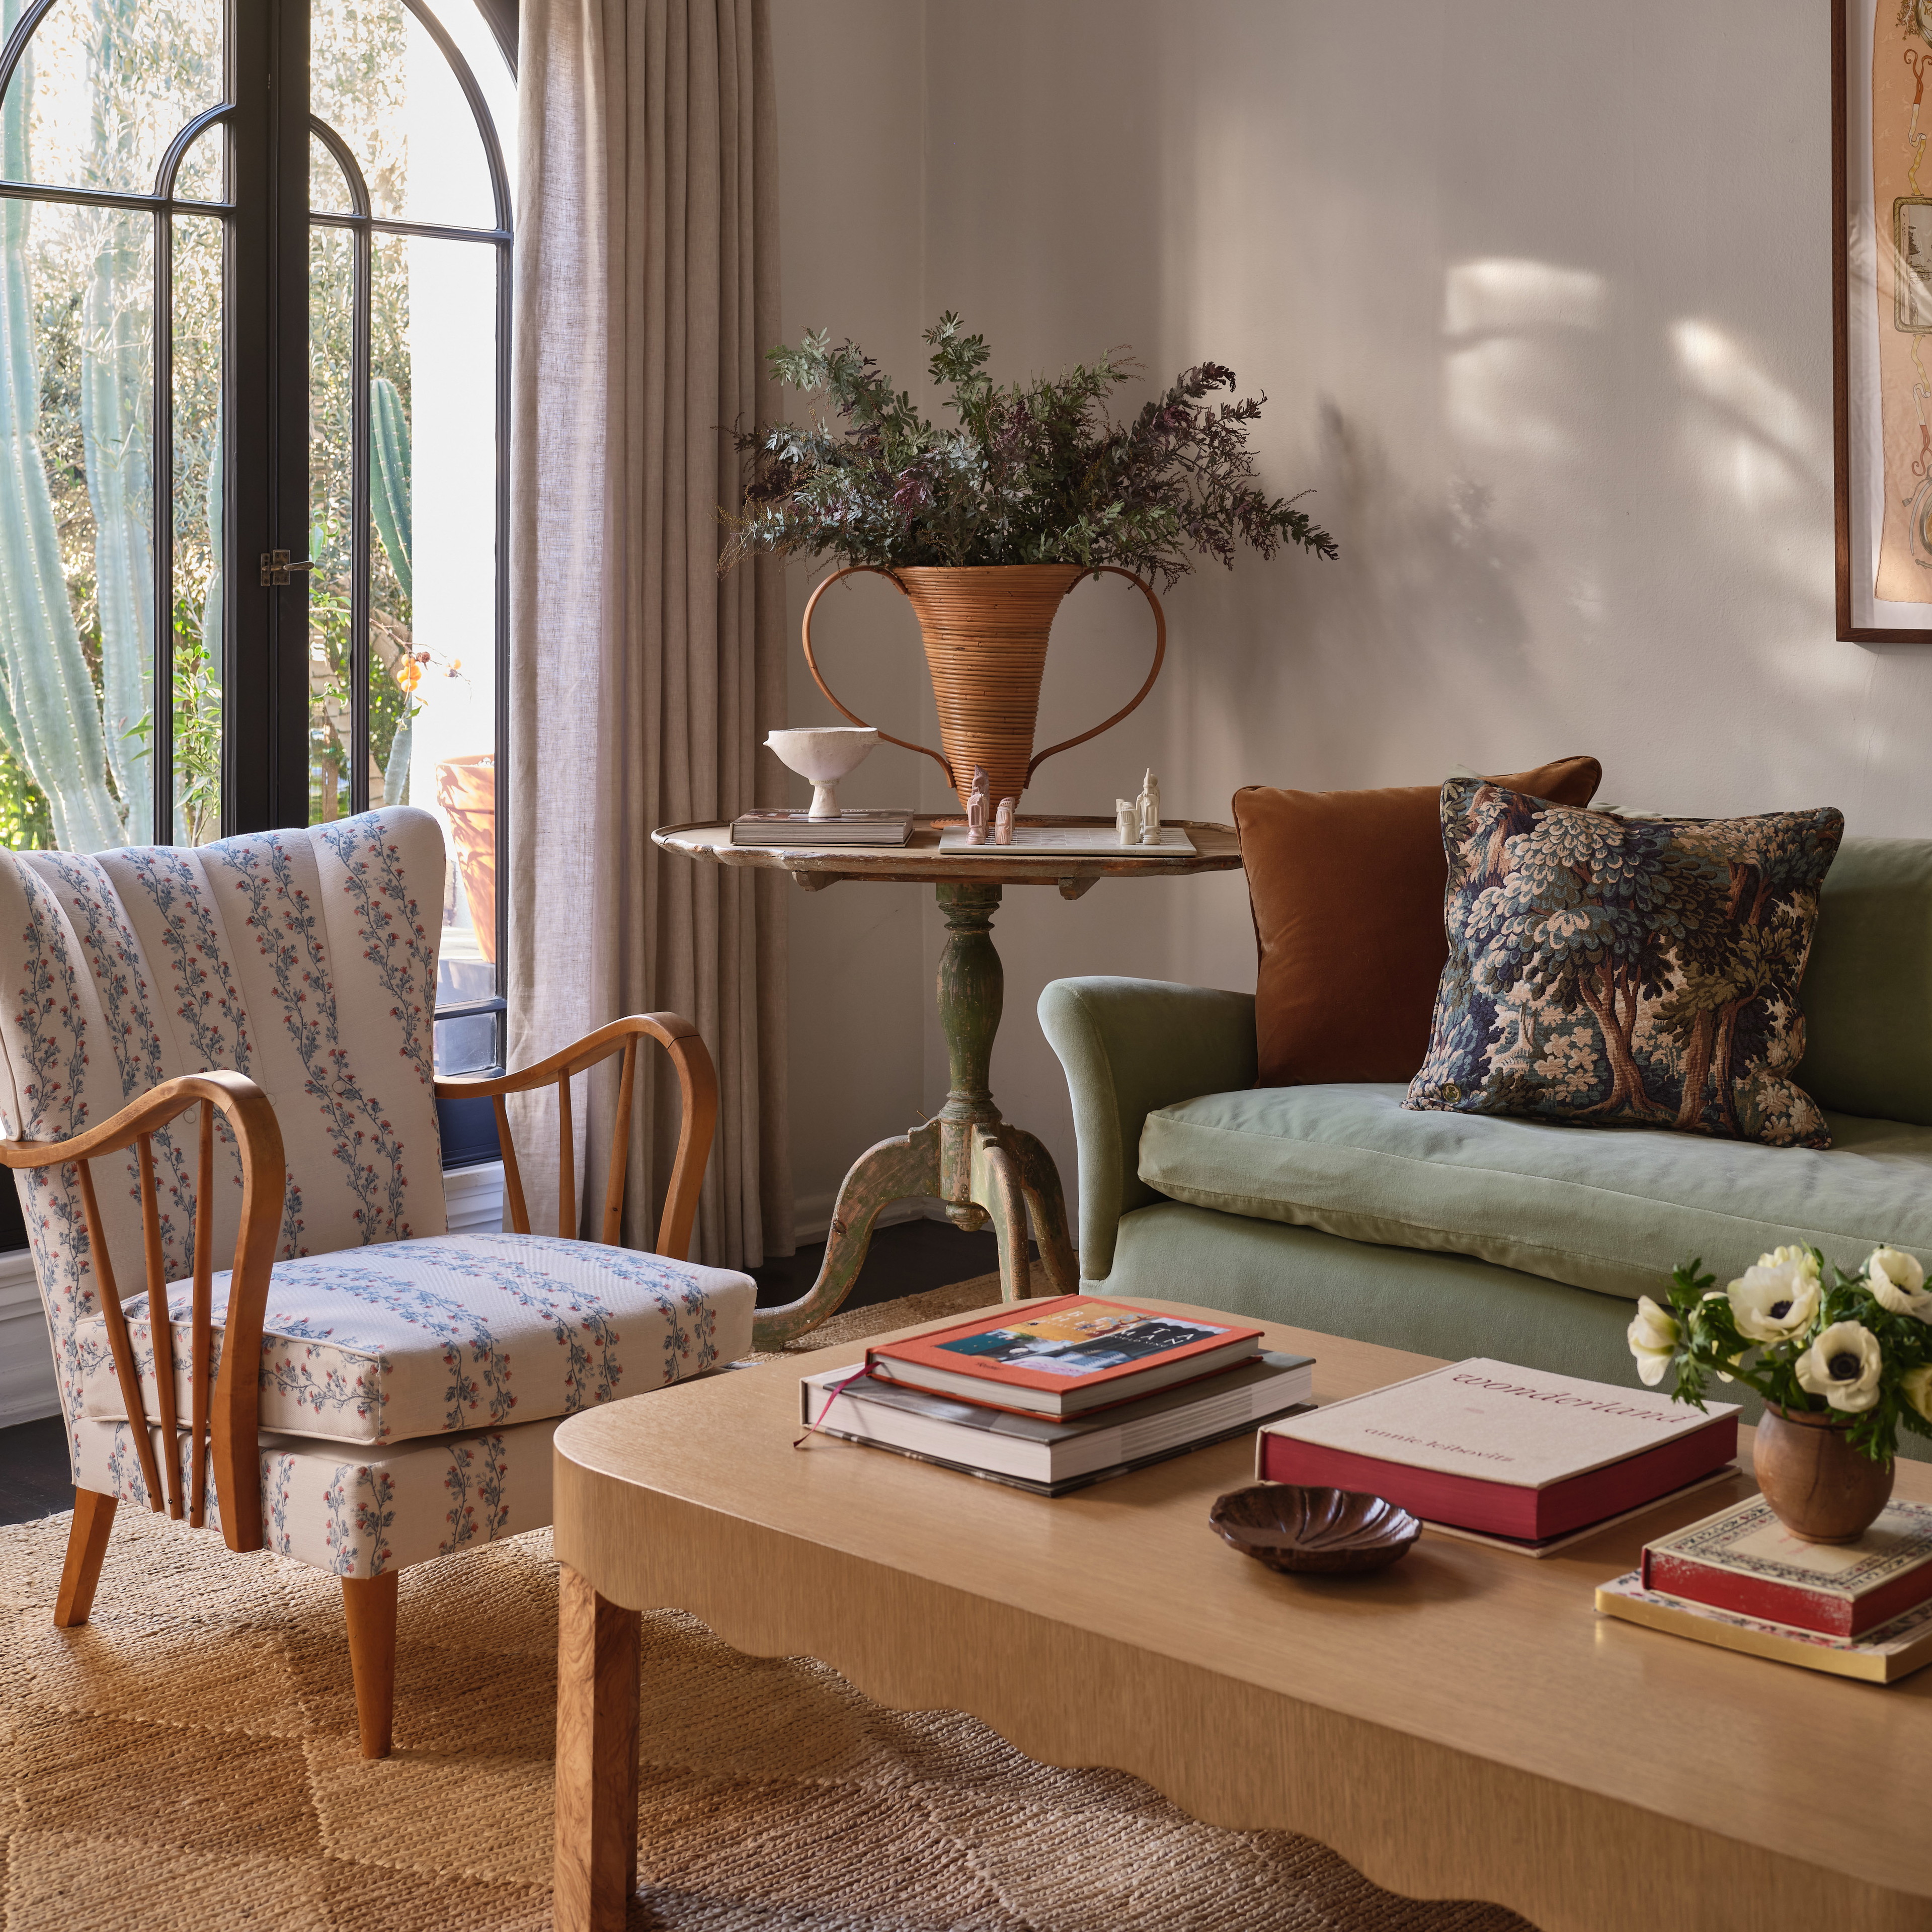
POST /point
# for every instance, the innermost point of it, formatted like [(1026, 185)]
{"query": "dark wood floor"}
[(907, 1259)]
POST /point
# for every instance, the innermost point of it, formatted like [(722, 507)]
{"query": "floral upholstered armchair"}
[(227, 1050)]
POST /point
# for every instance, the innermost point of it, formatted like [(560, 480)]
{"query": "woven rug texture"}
[(187, 1759)]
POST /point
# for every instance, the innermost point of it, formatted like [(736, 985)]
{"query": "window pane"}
[(76, 505), (467, 1045), (197, 512), (330, 336), (381, 82), (110, 83), (440, 611), (328, 186)]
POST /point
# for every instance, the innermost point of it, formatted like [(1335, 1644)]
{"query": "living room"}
[(1591, 451)]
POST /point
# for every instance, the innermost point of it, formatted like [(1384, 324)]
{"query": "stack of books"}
[(1741, 1581), (1074, 1390), (1520, 1457)]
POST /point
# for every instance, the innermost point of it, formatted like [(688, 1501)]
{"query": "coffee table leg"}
[(596, 1758)]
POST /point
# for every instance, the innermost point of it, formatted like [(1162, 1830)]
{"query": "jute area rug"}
[(187, 1760)]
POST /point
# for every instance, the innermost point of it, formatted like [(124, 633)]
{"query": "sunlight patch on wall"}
[(1510, 373), (1760, 441)]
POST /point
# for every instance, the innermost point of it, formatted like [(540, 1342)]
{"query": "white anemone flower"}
[(1653, 1339), (1897, 1282), (1915, 1386), (1843, 1364), (1778, 1298)]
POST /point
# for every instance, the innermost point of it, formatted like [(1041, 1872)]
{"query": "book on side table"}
[(800, 828), (1519, 1454)]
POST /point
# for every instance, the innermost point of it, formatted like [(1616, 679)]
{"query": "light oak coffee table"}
[(1461, 1727)]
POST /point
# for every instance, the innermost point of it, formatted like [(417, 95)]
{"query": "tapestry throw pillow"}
[(1626, 972), (1346, 890)]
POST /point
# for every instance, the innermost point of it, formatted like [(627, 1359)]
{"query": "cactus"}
[(389, 500), (120, 487), (50, 694), (115, 432), (389, 476)]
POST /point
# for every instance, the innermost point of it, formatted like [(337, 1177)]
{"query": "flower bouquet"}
[(1842, 1364)]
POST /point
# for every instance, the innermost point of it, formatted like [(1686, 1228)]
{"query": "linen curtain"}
[(641, 684)]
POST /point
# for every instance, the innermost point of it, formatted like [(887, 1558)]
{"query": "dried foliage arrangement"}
[(1036, 472)]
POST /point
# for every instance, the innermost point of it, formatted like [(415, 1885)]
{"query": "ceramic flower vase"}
[(985, 630), (1821, 1489)]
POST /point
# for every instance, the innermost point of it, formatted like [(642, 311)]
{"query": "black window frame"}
[(266, 695)]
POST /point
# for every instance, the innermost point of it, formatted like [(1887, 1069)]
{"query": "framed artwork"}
[(1882, 317)]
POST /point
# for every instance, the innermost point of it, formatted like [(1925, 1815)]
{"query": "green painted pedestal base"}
[(982, 1168)]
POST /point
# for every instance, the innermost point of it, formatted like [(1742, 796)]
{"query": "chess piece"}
[(1148, 810), (1127, 821), (1003, 822), (979, 804)]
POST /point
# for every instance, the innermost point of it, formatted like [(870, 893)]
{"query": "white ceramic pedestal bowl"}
[(823, 753)]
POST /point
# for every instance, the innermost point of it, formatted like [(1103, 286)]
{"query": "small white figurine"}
[(1127, 821), (1003, 822), (979, 804), (1147, 810)]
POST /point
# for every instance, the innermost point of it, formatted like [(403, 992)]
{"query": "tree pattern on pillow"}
[(1626, 972)]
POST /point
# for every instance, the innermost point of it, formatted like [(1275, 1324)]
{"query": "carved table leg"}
[(1041, 1179), (996, 1187), (596, 1758), (907, 1164), (968, 1156)]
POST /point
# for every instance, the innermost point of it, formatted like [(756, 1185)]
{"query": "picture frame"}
[(1881, 319)]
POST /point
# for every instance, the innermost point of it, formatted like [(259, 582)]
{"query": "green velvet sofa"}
[(1333, 1208)]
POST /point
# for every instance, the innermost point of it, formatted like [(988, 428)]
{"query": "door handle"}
[(276, 565)]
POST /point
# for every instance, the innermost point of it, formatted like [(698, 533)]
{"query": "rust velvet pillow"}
[(1347, 891)]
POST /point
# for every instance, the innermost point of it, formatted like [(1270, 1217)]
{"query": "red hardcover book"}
[(1509, 1451), (1744, 1561), (1066, 1356)]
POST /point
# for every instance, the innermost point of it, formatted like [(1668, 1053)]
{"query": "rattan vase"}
[(985, 631)]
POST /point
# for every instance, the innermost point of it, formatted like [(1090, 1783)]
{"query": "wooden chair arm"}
[(230, 1432), (698, 1088)]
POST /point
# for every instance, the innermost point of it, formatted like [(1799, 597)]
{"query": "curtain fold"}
[(641, 684)]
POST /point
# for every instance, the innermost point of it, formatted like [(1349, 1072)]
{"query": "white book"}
[(1514, 1452)]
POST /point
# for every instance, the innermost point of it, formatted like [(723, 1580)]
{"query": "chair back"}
[(306, 960)]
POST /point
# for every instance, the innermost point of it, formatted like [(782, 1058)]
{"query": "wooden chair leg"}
[(86, 1547), (369, 1609)]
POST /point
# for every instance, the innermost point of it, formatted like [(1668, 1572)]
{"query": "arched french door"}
[(254, 321)]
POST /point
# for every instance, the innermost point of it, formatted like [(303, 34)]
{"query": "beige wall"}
[(1540, 297)]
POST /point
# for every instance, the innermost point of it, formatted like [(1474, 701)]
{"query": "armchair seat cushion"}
[(452, 1333), (1614, 1209), (357, 1511)]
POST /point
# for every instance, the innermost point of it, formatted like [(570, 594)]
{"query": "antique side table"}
[(979, 1165)]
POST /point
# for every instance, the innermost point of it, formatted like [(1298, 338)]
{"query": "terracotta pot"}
[(986, 632), (1822, 1489), (466, 788)]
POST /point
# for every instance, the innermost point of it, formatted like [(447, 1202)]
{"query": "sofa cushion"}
[(1346, 889), (1868, 988), (410, 1339), (1626, 972), (1612, 1209)]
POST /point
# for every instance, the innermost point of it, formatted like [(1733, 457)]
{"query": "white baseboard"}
[(473, 1196), (27, 1388)]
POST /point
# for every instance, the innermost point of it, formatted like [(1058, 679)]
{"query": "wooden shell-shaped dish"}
[(1313, 1531)]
